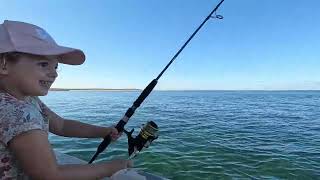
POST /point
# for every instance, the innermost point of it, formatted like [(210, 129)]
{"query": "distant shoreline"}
[(91, 89), (132, 89)]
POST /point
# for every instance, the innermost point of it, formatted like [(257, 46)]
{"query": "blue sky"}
[(260, 44)]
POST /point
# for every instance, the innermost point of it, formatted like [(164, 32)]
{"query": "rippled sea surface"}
[(205, 134)]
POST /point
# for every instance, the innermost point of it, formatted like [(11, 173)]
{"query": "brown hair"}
[(11, 57)]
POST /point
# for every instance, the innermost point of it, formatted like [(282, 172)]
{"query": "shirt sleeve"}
[(16, 119), (44, 109)]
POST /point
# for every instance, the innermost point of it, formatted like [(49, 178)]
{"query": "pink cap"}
[(27, 38)]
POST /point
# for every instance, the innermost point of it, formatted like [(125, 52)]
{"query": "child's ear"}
[(3, 66)]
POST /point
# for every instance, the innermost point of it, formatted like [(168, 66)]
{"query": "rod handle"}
[(103, 145)]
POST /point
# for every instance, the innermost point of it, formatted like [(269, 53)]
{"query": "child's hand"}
[(121, 164), (114, 133)]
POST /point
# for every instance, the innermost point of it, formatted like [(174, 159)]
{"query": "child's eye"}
[(43, 64)]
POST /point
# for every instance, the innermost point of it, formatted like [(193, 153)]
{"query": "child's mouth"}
[(46, 84)]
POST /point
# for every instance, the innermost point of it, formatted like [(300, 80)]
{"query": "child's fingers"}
[(114, 136), (114, 133)]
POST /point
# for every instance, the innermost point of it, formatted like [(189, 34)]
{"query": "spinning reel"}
[(148, 133)]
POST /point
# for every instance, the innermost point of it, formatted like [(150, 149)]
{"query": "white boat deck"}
[(67, 159)]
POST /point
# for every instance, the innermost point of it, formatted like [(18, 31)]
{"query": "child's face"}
[(31, 75)]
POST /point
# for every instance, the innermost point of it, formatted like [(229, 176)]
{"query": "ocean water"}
[(205, 134)]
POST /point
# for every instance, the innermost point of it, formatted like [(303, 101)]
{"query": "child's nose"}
[(53, 73)]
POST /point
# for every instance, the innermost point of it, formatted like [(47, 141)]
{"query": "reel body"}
[(148, 133)]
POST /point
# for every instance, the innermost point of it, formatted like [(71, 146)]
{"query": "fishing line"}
[(144, 94)]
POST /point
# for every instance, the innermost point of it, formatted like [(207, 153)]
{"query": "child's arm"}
[(33, 151), (72, 128)]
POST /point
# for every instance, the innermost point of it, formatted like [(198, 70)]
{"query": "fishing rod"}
[(146, 132)]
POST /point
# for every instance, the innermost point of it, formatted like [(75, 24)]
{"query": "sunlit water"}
[(205, 134)]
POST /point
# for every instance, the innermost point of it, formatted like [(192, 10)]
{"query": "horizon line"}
[(136, 89)]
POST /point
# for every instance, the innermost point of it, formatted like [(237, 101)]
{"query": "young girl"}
[(29, 59)]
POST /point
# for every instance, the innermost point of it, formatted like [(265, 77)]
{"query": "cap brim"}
[(65, 55)]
